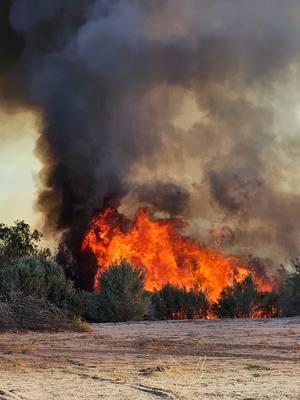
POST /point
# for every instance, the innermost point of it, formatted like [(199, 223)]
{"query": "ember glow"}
[(163, 253)]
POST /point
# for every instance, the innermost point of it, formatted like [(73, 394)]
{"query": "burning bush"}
[(244, 300), (163, 253), (237, 301), (176, 303), (122, 296)]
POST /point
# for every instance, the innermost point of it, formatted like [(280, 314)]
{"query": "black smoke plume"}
[(109, 79)]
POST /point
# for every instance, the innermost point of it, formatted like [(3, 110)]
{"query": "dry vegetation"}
[(232, 359), (42, 358), (26, 313)]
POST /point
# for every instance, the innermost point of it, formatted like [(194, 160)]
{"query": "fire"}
[(164, 254)]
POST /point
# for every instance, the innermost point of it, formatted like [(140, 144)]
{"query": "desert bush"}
[(122, 296), (6, 316), (30, 313), (41, 279), (165, 302), (289, 293), (267, 304), (91, 306), (238, 301), (177, 303)]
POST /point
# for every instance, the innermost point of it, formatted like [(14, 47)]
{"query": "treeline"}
[(37, 291)]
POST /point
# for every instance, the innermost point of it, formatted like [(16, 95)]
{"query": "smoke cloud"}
[(189, 105)]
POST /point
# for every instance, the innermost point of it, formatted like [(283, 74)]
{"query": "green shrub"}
[(165, 302), (91, 306), (177, 303), (122, 296), (238, 301), (289, 293), (42, 279)]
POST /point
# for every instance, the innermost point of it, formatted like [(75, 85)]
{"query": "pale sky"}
[(18, 166)]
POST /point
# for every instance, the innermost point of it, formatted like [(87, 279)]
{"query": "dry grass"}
[(189, 377), (78, 325), (29, 313), (17, 348)]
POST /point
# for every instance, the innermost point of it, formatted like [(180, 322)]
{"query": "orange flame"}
[(165, 255)]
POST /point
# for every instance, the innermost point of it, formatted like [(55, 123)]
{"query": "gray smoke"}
[(109, 77)]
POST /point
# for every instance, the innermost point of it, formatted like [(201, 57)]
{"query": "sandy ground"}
[(233, 359)]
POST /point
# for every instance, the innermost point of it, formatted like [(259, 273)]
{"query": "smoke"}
[(117, 84)]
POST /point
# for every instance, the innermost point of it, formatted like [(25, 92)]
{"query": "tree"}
[(19, 241), (39, 278), (122, 296), (238, 301), (289, 293)]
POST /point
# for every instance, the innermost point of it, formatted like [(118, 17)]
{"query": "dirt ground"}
[(232, 359)]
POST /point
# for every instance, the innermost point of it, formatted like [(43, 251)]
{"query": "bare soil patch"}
[(232, 359)]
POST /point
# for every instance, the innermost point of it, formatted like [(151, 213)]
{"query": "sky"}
[(18, 166)]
